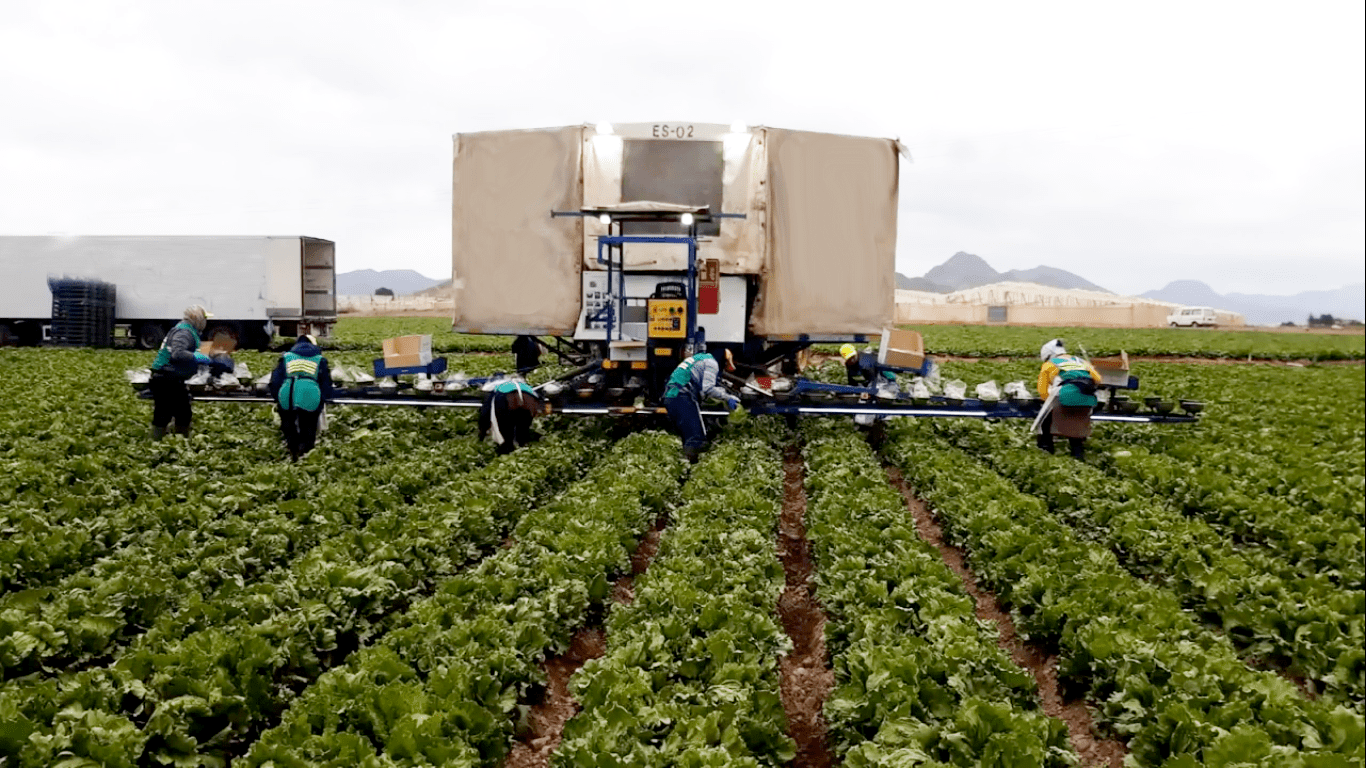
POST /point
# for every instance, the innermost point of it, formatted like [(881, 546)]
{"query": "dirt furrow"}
[(1095, 752), (550, 708), (805, 675)]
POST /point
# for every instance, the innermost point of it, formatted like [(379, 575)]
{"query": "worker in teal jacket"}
[(301, 385), (178, 359), (508, 409), (694, 380), (1068, 385)]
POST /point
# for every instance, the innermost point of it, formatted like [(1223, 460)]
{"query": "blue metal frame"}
[(619, 300)]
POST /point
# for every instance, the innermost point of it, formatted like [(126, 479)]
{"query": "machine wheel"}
[(150, 335), (7, 336)]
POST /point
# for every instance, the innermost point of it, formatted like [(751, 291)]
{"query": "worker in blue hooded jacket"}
[(694, 380), (178, 359), (300, 385)]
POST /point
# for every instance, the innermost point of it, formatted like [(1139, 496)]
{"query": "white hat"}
[(1052, 348), (197, 316)]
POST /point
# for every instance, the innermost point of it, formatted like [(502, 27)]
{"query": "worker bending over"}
[(861, 368), (693, 380), (1068, 385), (178, 359), (300, 385), (507, 413)]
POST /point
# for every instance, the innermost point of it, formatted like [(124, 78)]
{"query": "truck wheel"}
[(7, 336), (255, 337), (150, 335)]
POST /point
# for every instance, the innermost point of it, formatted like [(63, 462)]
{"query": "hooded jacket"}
[(323, 374)]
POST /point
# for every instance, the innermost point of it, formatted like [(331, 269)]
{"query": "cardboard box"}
[(220, 345), (407, 351), (901, 349), (1114, 371)]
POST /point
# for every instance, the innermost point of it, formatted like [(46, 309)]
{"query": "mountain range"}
[(966, 270), (364, 282), (1261, 309)]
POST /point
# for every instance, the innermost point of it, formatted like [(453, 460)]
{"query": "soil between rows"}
[(805, 676), (547, 715), (1095, 752)]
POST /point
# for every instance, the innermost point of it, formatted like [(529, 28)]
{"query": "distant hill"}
[(967, 270), (1348, 302), (904, 283), (364, 282), (442, 288), (1058, 278)]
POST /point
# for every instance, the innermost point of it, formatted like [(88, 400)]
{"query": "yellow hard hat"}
[(847, 351)]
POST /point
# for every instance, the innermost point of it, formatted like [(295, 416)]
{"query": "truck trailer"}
[(256, 287)]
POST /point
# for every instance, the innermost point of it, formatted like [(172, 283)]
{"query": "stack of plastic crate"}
[(82, 312)]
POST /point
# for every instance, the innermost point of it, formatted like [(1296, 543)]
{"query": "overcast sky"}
[(1131, 143)]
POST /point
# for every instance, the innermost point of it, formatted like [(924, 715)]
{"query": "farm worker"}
[(694, 379), (300, 385), (178, 359), (1068, 385), (527, 351), (861, 368), (507, 413)]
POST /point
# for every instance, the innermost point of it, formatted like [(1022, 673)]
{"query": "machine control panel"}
[(595, 298), (668, 318)]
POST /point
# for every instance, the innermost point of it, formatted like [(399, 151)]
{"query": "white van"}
[(1192, 316)]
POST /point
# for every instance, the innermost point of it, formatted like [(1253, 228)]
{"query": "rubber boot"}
[(1078, 447), (691, 454), (1045, 442), (158, 432), (183, 430)]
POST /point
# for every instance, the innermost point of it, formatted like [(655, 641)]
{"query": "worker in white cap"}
[(178, 359), (694, 380), (1068, 385), (301, 385)]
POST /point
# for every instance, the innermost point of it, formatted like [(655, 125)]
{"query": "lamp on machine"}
[(604, 129), (686, 219), (605, 219), (738, 127)]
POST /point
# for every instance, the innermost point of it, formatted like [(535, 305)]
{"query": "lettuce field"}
[(943, 594)]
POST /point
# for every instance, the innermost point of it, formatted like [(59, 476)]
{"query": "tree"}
[(383, 292)]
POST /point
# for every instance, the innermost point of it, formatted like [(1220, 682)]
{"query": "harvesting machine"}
[(626, 248)]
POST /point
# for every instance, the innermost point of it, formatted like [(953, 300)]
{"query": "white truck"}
[(1192, 317), (255, 287)]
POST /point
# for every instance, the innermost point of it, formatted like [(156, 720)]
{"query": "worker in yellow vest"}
[(300, 385), (1068, 385)]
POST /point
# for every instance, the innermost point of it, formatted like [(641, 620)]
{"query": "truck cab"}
[(1192, 317)]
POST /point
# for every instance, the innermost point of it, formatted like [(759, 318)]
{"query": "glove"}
[(732, 403), (220, 364)]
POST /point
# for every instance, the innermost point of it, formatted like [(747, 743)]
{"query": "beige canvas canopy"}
[(818, 231)]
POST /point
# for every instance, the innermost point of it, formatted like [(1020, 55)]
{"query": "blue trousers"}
[(686, 416)]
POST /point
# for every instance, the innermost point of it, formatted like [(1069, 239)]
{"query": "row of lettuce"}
[(1254, 519), (1179, 691), (310, 615)]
